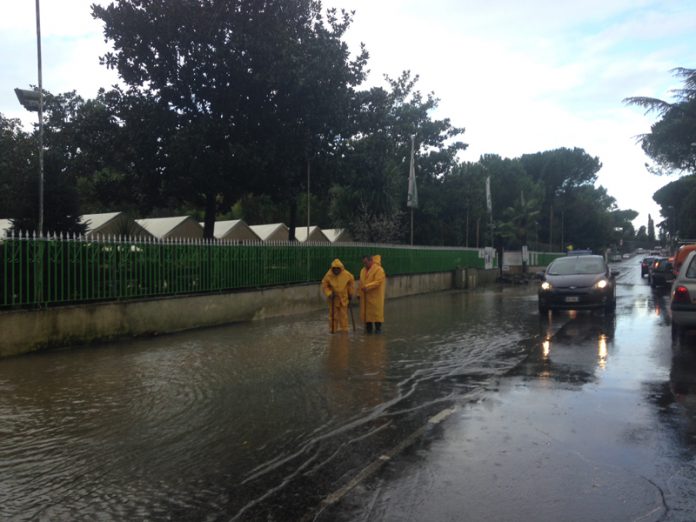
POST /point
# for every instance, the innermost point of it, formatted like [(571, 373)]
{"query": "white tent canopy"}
[(172, 227), (338, 235), (112, 223), (5, 226), (272, 232), (234, 229), (315, 234)]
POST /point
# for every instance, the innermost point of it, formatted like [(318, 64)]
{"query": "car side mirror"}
[(614, 273)]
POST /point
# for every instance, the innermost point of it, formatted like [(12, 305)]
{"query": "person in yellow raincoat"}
[(373, 282), (338, 286)]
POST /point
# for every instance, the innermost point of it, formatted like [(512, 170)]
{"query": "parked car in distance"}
[(626, 256), (661, 272), (680, 256), (576, 282), (645, 266), (683, 300)]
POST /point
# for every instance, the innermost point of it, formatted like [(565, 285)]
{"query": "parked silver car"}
[(683, 300)]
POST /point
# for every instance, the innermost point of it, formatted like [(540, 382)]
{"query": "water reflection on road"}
[(262, 421), (598, 422), (573, 346), (251, 420)]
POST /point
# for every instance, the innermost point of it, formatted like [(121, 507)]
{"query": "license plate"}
[(572, 299)]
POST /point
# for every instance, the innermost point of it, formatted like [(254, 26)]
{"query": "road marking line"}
[(374, 466)]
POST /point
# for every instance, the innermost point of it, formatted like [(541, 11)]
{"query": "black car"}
[(576, 282), (661, 273), (645, 266)]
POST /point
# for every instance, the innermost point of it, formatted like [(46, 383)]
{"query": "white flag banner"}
[(489, 202), (412, 199)]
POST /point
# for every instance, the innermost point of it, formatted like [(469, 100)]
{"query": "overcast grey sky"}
[(521, 77)]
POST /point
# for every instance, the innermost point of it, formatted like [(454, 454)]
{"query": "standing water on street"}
[(260, 420)]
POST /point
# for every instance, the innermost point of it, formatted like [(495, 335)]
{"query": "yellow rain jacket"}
[(342, 287), (373, 283)]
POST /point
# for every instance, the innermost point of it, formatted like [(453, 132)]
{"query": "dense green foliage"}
[(671, 144), (678, 202), (231, 108)]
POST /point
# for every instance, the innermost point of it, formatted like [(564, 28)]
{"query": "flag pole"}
[(412, 200), (411, 226), (489, 206)]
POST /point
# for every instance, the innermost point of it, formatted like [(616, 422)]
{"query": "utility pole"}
[(309, 196), (551, 228)]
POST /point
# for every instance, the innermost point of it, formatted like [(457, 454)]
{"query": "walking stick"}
[(352, 318), (333, 313), (363, 302)]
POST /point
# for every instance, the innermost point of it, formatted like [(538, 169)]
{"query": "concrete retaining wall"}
[(31, 330)]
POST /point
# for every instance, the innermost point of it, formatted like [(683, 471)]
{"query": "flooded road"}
[(467, 402), (251, 421), (597, 423)]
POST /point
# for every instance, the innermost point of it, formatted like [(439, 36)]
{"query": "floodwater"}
[(597, 423), (252, 421)]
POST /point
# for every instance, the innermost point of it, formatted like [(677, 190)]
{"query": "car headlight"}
[(601, 284), (546, 285)]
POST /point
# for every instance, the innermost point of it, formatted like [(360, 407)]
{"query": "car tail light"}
[(681, 295)]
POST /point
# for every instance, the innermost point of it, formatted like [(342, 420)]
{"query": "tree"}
[(453, 206), (651, 229), (114, 148), (17, 163), (623, 219), (83, 139), (312, 103), (518, 220), (560, 172), (373, 171), (588, 221), (677, 202), (19, 183), (253, 86), (365, 200), (190, 57), (670, 142)]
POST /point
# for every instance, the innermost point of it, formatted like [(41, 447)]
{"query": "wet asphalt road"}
[(597, 423), (469, 407)]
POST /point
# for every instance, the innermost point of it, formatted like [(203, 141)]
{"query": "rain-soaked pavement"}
[(468, 407)]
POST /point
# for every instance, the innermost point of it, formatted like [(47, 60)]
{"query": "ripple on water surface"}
[(240, 420)]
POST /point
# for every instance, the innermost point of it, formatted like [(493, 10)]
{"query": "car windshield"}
[(576, 265)]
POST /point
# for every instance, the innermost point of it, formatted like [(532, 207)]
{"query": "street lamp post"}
[(33, 100)]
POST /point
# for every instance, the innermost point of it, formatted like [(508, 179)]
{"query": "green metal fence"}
[(545, 258), (55, 271)]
